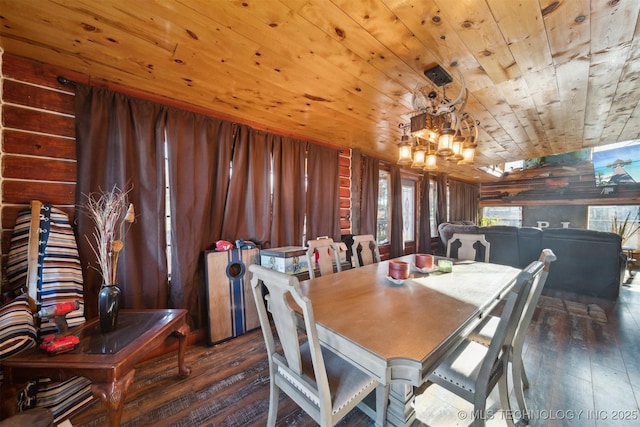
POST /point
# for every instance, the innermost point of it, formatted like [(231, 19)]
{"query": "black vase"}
[(108, 305)]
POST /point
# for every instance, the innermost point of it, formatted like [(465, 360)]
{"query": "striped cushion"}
[(17, 260), (59, 279), (64, 398), (61, 273), (59, 269), (17, 332)]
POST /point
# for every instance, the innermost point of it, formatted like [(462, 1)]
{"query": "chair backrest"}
[(546, 258), (503, 337), (469, 247), (284, 289), (365, 250), (323, 254)]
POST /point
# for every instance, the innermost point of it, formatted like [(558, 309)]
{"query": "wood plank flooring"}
[(583, 372)]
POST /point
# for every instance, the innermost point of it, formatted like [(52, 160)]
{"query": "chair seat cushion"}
[(345, 380), (462, 367)]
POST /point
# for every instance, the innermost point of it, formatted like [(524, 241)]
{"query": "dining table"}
[(399, 331)]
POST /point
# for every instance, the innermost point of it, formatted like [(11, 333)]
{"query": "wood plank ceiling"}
[(545, 77)]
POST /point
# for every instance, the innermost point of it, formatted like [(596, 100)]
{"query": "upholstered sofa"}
[(589, 262)]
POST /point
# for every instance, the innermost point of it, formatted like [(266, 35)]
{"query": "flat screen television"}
[(617, 164)]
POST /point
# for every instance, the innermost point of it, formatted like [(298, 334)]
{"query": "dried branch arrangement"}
[(625, 228), (110, 210)]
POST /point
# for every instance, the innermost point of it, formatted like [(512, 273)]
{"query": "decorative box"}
[(287, 259)]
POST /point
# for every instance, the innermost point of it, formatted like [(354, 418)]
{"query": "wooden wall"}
[(38, 142), (570, 184), (37, 131)]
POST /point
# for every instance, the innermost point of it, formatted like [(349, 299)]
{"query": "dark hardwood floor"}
[(584, 371)]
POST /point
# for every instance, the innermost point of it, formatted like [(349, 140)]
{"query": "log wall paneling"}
[(38, 141), (345, 192)]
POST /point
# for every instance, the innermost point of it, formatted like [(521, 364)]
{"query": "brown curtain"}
[(424, 227), (369, 200), (397, 245), (323, 196), (464, 201), (119, 141), (247, 208), (441, 191), (287, 225), (199, 152)]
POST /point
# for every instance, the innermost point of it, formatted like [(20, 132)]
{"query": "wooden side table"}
[(108, 360)]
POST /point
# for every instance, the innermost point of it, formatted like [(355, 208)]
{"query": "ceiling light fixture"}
[(440, 126)]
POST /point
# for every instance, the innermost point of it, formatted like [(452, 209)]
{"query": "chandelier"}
[(441, 128)]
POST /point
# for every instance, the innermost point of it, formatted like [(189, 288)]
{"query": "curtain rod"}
[(65, 81)]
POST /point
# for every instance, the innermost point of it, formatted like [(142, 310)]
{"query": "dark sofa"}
[(589, 262)]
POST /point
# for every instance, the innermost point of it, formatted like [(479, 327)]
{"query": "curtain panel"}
[(220, 179), (119, 141), (464, 201), (199, 155), (248, 199), (289, 195), (323, 192), (424, 225), (369, 196), (397, 243), (441, 206)]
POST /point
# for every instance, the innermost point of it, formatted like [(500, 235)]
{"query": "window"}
[(384, 214), (601, 218), (409, 193), (502, 215), (433, 202), (408, 211)]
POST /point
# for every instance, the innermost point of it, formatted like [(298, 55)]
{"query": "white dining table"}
[(399, 332)]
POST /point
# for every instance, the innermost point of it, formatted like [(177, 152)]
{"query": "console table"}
[(107, 359)]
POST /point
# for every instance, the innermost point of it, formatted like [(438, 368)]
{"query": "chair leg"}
[(479, 409), (519, 381), (274, 392), (505, 403), (525, 380)]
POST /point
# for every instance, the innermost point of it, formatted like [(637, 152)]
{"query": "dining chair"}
[(323, 384), (473, 370), (468, 247), (485, 332), (323, 254), (365, 250)]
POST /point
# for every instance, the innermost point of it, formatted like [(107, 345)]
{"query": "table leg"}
[(400, 411), (113, 395), (182, 333)]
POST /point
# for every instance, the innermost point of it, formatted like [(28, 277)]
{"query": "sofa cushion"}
[(589, 262), (505, 248), (446, 230), (529, 244)]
